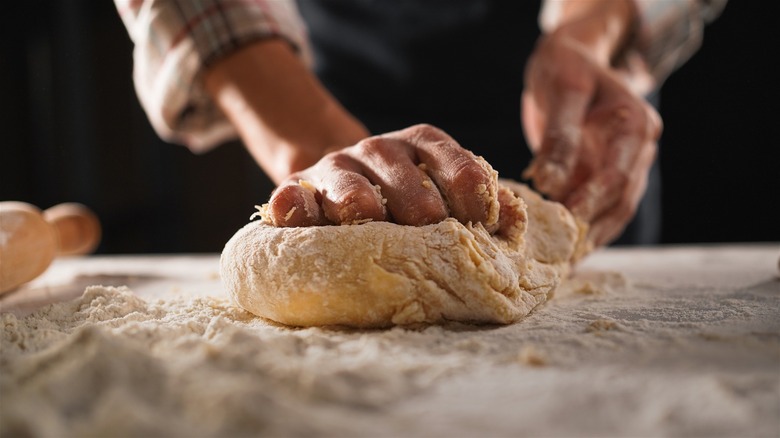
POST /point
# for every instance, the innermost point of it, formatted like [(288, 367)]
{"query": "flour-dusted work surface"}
[(640, 342), (149, 277)]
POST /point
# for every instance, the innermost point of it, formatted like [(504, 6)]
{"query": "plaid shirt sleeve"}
[(175, 39), (668, 33)]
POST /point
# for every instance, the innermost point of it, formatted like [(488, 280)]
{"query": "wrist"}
[(601, 27)]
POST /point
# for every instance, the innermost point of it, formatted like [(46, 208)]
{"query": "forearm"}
[(286, 118)]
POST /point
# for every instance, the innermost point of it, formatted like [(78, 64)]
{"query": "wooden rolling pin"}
[(30, 239)]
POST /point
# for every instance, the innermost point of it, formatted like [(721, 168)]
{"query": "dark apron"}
[(456, 64)]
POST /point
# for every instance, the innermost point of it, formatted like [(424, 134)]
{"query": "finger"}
[(466, 182), (533, 120), (513, 219), (606, 185), (412, 198), (295, 205), (553, 166), (620, 131), (596, 195), (609, 224), (348, 197), (606, 230)]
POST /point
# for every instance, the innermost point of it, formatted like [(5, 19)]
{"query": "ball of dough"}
[(380, 274)]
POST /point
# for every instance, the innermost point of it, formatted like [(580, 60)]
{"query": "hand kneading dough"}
[(379, 274)]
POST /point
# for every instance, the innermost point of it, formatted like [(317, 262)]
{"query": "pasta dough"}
[(379, 274)]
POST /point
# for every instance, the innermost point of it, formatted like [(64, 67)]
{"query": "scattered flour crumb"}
[(530, 355), (601, 325)]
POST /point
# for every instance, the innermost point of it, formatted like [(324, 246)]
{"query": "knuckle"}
[(424, 127), (637, 118), (446, 145), (468, 191), (336, 160), (570, 81), (352, 189), (284, 204), (356, 202), (285, 190), (428, 133), (348, 186), (630, 118), (359, 196), (468, 172), (285, 194), (373, 146)]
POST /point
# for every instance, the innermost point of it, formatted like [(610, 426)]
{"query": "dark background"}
[(73, 131)]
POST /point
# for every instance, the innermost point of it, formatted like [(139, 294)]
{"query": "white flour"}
[(612, 355), (110, 363)]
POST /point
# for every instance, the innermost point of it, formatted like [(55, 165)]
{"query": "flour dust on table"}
[(662, 342)]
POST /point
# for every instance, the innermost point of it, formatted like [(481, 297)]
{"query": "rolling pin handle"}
[(76, 228), (30, 239)]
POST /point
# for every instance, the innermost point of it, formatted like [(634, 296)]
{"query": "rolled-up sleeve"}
[(176, 39), (667, 33), (671, 31)]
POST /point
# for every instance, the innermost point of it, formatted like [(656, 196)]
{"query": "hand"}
[(594, 139), (415, 176)]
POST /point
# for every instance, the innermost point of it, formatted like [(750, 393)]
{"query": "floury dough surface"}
[(380, 274), (639, 342)]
